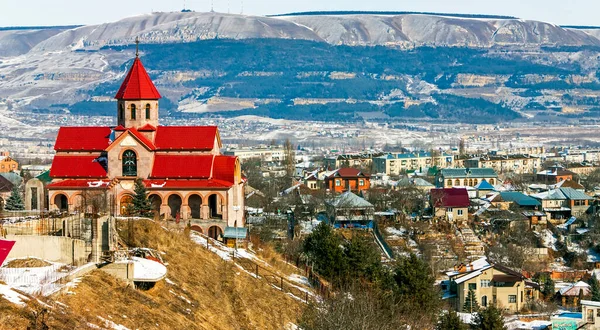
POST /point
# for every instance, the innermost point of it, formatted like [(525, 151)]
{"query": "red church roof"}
[(185, 137), (137, 84), (182, 166), (450, 197), (76, 167), (142, 138), (79, 184), (82, 139), (186, 184), (147, 128), (224, 168)]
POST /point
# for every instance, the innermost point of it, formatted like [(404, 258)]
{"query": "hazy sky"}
[(64, 12)]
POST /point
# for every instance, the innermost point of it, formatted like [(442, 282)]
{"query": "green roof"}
[(44, 177), (519, 198), (457, 173), (573, 194)]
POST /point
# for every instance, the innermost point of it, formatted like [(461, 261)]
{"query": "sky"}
[(70, 12)]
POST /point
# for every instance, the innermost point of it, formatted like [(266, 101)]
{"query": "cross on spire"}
[(137, 48)]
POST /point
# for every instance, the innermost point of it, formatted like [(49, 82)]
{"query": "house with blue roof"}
[(484, 188), (465, 177), (529, 206)]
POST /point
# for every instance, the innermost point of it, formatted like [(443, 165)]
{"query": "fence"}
[(382, 243), (273, 278), (39, 280)]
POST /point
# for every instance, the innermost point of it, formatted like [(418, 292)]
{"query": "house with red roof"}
[(347, 179), (450, 203), (181, 166)]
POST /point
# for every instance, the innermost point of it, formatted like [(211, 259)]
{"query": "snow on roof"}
[(590, 303), (350, 200), (146, 270), (573, 289), (468, 277), (480, 263)]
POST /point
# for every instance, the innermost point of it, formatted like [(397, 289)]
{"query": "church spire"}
[(137, 97)]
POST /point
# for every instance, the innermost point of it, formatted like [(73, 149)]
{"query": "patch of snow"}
[(112, 325), (548, 239), (148, 270), (396, 232), (9, 294), (467, 318), (299, 279), (225, 255)]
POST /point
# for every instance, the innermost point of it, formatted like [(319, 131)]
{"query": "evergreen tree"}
[(14, 202), (141, 205), (450, 321), (323, 248), (471, 305), (415, 282), (594, 288), (548, 290), (489, 318), (363, 258)]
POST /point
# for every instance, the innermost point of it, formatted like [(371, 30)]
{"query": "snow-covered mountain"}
[(407, 30), (45, 66)]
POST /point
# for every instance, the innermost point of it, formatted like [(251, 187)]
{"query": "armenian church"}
[(182, 167)]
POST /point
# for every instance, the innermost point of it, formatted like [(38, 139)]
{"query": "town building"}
[(396, 163), (347, 179), (569, 295), (492, 284), (519, 164), (451, 204), (363, 160), (555, 174), (182, 167), (7, 163), (563, 203), (350, 211), (267, 154), (465, 177)]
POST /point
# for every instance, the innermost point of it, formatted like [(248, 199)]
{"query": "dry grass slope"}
[(208, 293)]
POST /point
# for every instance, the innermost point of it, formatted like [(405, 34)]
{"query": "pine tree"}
[(548, 290), (14, 202), (471, 304), (415, 282), (141, 205), (450, 321), (594, 288), (323, 248), (488, 319)]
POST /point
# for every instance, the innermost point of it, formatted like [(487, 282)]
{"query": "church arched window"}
[(129, 163), (133, 111), (147, 110), (121, 113)]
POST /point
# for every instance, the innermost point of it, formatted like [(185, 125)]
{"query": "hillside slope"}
[(202, 292)]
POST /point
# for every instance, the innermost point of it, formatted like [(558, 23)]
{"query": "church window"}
[(133, 111), (148, 111), (129, 163), (121, 113)]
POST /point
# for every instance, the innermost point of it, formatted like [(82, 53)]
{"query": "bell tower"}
[(137, 98)]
